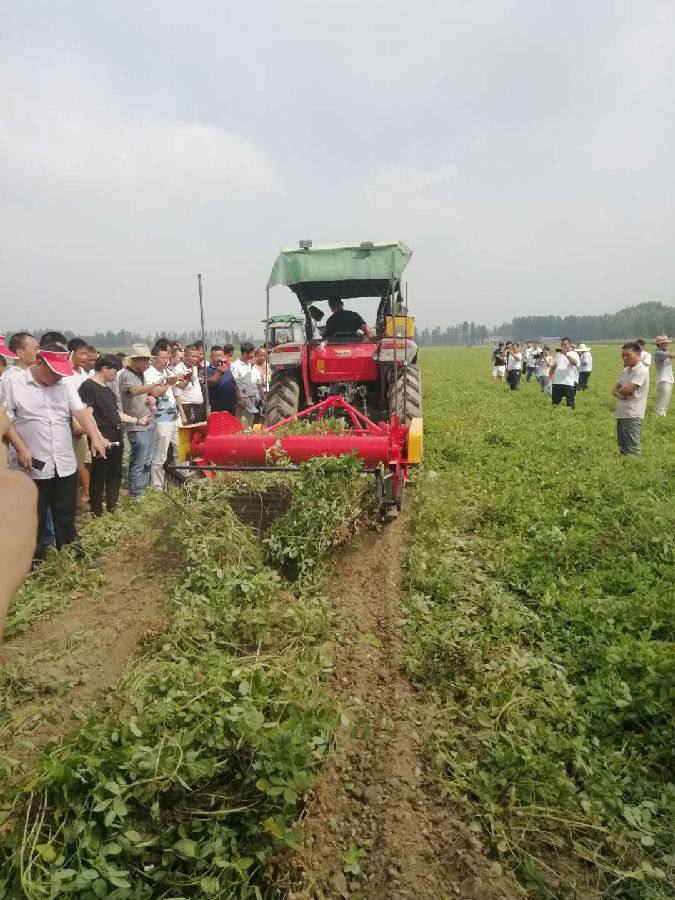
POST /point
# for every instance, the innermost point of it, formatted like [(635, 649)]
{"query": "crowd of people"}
[(563, 374), (66, 411)]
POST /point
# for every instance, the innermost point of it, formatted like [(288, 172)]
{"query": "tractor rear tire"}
[(283, 399), (409, 394)]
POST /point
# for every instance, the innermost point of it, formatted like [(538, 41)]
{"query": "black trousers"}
[(106, 478), (558, 391), (194, 412), (583, 380), (59, 494), (513, 379)]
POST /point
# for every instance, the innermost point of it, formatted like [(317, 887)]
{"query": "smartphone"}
[(37, 464)]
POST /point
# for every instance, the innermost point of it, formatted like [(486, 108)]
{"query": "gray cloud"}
[(523, 148)]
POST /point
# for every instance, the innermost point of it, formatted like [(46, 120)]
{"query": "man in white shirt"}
[(513, 362), (23, 349), (248, 395), (532, 352), (645, 355), (41, 403), (561, 375), (165, 412), (585, 366), (79, 363), (190, 389), (663, 364), (631, 392)]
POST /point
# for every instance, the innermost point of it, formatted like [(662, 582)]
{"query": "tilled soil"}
[(81, 651), (374, 795)]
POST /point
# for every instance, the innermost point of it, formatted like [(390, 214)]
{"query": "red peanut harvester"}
[(371, 381)]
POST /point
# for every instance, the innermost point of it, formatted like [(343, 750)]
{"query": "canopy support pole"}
[(405, 358), (393, 320), (267, 347), (206, 383)]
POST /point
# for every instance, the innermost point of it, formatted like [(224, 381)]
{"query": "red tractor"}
[(377, 374), (370, 381)]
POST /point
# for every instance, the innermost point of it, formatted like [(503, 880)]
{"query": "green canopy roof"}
[(284, 319), (340, 270)]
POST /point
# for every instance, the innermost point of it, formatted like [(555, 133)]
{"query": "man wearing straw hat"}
[(138, 400), (585, 366), (664, 373)]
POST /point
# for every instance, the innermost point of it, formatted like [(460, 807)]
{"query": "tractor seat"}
[(346, 337)]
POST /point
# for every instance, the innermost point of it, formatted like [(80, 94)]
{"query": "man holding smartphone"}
[(221, 384), (165, 412), (561, 375)]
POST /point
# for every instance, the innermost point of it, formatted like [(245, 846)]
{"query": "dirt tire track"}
[(373, 792), (128, 608)]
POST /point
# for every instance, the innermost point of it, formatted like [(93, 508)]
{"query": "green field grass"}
[(540, 610)]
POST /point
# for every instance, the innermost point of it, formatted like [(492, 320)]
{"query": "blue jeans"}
[(529, 372), (142, 444), (49, 537), (545, 388)]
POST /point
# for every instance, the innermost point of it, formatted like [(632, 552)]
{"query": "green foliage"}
[(327, 425), (541, 611), (193, 781), (328, 497)]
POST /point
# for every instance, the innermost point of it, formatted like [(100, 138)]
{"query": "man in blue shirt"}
[(222, 387)]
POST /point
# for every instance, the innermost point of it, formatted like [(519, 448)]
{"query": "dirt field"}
[(74, 657), (373, 796)]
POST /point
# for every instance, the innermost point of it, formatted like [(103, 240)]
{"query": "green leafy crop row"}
[(194, 780), (541, 612)]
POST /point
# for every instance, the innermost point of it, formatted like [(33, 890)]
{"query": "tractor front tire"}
[(283, 399), (409, 388)]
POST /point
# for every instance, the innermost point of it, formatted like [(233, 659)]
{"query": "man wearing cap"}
[(137, 400), (585, 366), (631, 391), (40, 404), (562, 373), (663, 366), (23, 348)]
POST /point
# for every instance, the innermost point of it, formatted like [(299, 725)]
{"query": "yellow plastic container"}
[(400, 326)]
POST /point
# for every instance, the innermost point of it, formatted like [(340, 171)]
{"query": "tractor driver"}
[(345, 321)]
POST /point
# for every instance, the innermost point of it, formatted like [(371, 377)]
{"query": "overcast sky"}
[(523, 148)]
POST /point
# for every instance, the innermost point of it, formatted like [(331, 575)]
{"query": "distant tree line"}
[(643, 320), (466, 333), (125, 339)]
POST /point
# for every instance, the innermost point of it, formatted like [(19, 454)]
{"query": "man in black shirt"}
[(106, 471), (345, 321)]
